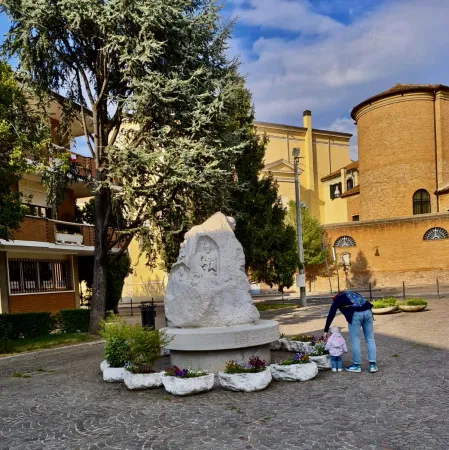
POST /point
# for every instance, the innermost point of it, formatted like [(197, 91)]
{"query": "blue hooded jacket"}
[(343, 303)]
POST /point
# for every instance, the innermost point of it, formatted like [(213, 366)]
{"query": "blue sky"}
[(329, 55)]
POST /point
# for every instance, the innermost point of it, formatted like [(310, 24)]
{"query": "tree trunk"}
[(98, 304)]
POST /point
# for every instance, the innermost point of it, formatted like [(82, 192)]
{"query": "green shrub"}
[(385, 302), (26, 325), (414, 302), (73, 320), (117, 350), (145, 347)]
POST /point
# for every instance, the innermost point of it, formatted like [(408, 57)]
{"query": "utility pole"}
[(302, 284)]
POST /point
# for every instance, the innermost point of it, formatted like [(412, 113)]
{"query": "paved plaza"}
[(404, 406)]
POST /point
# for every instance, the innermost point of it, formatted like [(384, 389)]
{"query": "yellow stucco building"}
[(322, 152)]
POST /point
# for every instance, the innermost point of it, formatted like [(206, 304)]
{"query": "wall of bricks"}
[(353, 205), (396, 138), (49, 302), (389, 252)]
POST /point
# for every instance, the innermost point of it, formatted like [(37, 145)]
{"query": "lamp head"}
[(295, 152)]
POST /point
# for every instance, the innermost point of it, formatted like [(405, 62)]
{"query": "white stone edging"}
[(104, 365), (188, 386), (323, 362), (294, 372), (113, 374), (245, 382), (134, 381), (387, 310)]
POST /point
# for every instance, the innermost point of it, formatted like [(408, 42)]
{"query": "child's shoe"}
[(340, 369), (354, 368), (333, 369), (372, 367)]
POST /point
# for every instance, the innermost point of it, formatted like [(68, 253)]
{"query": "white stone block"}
[(113, 374), (323, 362), (136, 381), (297, 346), (188, 386), (104, 365), (294, 372), (245, 382)]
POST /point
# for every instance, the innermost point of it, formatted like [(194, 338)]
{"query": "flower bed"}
[(295, 368), (178, 381), (385, 305), (254, 376), (302, 343), (135, 381), (320, 357), (413, 305)]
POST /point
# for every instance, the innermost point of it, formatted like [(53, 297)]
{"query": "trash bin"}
[(148, 313)]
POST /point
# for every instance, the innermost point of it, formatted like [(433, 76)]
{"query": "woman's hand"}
[(325, 336)]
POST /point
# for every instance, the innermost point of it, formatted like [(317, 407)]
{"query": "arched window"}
[(344, 241), (349, 183), (421, 202), (436, 233)]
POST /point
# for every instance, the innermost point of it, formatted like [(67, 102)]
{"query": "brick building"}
[(397, 213)]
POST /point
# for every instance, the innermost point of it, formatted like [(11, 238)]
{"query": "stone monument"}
[(210, 313)]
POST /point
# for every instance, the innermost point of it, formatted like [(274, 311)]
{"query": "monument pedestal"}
[(210, 348)]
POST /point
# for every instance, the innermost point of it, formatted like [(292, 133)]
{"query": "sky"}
[(329, 55)]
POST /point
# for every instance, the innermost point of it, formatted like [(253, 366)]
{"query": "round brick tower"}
[(402, 150)]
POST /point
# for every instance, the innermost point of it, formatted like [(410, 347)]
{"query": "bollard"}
[(148, 313), (370, 293), (403, 290), (438, 288)]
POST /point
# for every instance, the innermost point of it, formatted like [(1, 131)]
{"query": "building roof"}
[(354, 191), (399, 89), (352, 166), (293, 128)]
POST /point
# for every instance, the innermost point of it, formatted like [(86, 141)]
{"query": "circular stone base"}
[(210, 348), (215, 361)]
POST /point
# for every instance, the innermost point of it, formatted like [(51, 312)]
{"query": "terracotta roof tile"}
[(351, 166), (355, 190)]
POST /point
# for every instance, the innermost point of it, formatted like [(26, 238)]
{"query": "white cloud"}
[(399, 42)]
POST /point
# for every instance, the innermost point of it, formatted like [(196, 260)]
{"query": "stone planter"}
[(298, 346), (278, 345), (245, 382), (323, 362), (136, 381), (387, 310), (188, 386), (113, 374), (294, 372), (74, 239), (412, 308), (104, 365)]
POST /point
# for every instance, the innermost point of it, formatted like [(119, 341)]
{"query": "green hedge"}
[(73, 320), (26, 325)]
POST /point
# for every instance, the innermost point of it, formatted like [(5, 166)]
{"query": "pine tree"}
[(22, 133), (161, 92)]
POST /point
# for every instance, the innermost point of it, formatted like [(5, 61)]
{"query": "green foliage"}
[(384, 302), (117, 351), (319, 350), (298, 358), (255, 365), (117, 271), (22, 135), (73, 320), (315, 243), (145, 347), (413, 302), (26, 325), (175, 371)]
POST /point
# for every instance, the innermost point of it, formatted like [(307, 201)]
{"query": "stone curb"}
[(50, 350)]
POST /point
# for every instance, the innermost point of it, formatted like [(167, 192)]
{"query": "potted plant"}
[(254, 376), (298, 367), (385, 305), (413, 305), (320, 357), (116, 349), (302, 343), (63, 235), (178, 381), (145, 347)]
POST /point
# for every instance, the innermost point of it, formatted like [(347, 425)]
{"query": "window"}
[(39, 275), (355, 218), (344, 241), (333, 190), (435, 234), (349, 183), (421, 202)]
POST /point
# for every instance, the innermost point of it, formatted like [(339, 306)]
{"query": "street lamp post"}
[(302, 288)]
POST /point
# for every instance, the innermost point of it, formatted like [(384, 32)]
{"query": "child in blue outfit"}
[(336, 346)]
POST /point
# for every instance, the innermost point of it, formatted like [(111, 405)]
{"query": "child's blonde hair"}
[(334, 330)]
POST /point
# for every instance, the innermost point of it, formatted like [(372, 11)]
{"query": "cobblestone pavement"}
[(404, 406)]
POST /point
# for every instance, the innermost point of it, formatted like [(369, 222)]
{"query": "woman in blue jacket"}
[(358, 314)]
